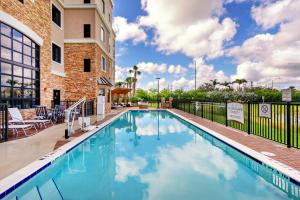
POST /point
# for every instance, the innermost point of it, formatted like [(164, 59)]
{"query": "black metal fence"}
[(282, 126), (4, 122), (89, 108)]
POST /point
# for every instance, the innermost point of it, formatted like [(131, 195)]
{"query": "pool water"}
[(157, 156)]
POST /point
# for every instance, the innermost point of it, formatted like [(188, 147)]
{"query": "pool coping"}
[(18, 178), (291, 173)]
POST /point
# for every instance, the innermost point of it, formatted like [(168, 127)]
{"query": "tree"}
[(240, 82), (136, 72), (129, 81), (227, 84), (214, 83)]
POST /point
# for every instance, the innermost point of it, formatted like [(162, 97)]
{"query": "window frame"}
[(60, 51), (103, 59), (103, 6), (89, 34), (85, 65), (60, 16), (102, 34)]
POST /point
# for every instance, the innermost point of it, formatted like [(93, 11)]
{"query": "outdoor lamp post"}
[(157, 92)]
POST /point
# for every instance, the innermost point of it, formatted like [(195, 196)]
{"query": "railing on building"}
[(282, 127), (4, 122), (89, 108)]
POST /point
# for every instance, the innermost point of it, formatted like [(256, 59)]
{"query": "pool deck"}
[(17, 154), (282, 154)]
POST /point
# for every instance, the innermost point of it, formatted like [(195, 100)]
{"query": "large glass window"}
[(19, 69)]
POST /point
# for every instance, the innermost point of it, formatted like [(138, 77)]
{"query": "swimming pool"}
[(155, 155)]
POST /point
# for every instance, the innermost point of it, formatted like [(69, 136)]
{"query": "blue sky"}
[(229, 39)]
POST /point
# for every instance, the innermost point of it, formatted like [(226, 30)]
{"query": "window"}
[(103, 63), (102, 34), (56, 53), (87, 30), (87, 1), (19, 69), (87, 65), (56, 16), (22, 1), (103, 6)]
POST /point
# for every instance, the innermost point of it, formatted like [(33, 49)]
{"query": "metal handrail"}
[(70, 114)]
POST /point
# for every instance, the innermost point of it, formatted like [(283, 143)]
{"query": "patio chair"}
[(59, 113), (42, 113), (23, 127), (17, 118)]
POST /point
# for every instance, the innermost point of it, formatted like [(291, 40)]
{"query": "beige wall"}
[(74, 21), (57, 37)]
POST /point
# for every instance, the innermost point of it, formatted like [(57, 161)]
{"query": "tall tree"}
[(129, 81), (240, 82), (227, 84), (136, 72)]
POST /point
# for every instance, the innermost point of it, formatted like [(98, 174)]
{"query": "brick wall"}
[(79, 83)]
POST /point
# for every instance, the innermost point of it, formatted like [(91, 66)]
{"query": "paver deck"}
[(287, 156)]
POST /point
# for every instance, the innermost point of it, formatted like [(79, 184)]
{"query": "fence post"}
[(189, 107), (226, 120), (249, 120), (195, 108), (288, 124), (212, 111), (202, 110)]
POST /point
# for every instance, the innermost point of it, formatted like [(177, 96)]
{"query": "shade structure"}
[(120, 91), (103, 81)]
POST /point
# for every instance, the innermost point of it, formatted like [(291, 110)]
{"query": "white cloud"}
[(121, 73), (272, 57), (152, 68), (272, 13), (177, 70), (192, 28), (129, 168), (128, 31)]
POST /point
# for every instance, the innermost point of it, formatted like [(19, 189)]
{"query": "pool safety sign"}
[(265, 110), (235, 112), (287, 95)]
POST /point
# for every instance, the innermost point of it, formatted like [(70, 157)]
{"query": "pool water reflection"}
[(155, 155)]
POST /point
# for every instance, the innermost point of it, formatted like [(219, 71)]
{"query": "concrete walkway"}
[(16, 154)]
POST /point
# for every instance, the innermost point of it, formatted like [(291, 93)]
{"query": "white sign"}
[(287, 95), (235, 112), (265, 110)]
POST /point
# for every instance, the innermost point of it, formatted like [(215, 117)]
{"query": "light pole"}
[(157, 92), (195, 75)]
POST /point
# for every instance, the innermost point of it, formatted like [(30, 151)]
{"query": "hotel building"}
[(55, 50)]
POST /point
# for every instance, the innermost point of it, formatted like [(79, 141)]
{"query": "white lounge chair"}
[(24, 127), (17, 118)]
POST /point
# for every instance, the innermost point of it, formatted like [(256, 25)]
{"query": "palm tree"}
[(136, 72), (227, 84), (214, 83), (240, 82)]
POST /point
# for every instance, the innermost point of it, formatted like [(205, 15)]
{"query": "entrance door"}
[(56, 97)]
